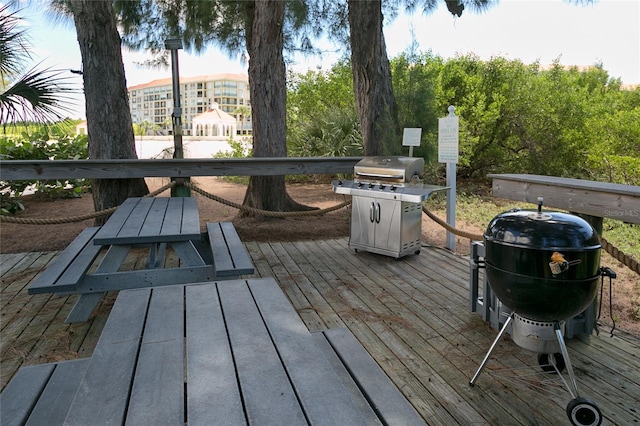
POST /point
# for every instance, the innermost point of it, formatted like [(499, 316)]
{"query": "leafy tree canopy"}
[(514, 117), (147, 24)]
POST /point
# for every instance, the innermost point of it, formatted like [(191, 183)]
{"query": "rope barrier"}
[(619, 255), (55, 221), (455, 231), (80, 218), (190, 185), (266, 213)]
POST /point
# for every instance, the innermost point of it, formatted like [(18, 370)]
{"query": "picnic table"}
[(230, 352), (157, 224)]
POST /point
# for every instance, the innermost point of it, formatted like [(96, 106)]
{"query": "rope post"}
[(180, 187)]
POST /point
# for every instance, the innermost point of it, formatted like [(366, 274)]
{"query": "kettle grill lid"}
[(542, 230)]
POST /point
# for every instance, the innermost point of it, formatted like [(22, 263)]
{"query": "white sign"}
[(411, 136), (448, 139)]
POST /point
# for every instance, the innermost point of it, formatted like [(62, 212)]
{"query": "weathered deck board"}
[(32, 329), (420, 303), (410, 314), (428, 357)]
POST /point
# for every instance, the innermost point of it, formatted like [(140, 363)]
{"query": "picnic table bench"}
[(155, 223), (230, 352)]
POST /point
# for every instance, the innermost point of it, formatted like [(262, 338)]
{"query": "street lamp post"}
[(175, 44)]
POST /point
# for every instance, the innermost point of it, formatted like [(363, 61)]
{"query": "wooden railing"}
[(590, 198), (122, 169), (596, 199)]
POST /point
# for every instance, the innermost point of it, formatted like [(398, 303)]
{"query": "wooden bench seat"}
[(225, 251), (70, 267), (41, 394), (369, 387), (230, 257)]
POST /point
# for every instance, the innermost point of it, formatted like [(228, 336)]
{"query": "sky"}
[(607, 32)]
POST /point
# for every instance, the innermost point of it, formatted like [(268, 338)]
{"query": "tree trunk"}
[(377, 109), (267, 83), (109, 125)]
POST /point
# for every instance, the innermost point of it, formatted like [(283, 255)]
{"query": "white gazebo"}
[(215, 124)]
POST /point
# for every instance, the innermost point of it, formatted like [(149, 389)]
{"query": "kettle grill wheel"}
[(550, 365), (584, 412)]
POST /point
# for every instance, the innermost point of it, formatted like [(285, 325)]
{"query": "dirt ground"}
[(18, 238)]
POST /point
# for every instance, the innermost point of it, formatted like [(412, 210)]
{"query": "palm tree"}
[(242, 114), (32, 95)]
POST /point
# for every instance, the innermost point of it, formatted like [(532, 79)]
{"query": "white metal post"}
[(450, 241), (448, 153)]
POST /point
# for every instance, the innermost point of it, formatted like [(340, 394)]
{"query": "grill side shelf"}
[(414, 194)]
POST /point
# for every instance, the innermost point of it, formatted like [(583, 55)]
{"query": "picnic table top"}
[(248, 358), (152, 220)]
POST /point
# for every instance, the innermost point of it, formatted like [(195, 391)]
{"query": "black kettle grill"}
[(545, 267)]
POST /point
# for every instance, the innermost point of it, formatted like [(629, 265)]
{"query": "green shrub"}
[(42, 143)]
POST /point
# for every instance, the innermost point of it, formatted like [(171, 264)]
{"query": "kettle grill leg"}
[(573, 389), (493, 346), (581, 411)]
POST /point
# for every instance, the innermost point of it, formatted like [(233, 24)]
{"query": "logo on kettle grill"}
[(559, 264)]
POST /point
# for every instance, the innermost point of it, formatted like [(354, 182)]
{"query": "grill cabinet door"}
[(376, 223), (363, 221), (388, 224)]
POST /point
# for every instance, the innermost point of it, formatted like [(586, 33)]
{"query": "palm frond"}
[(13, 44), (40, 95)]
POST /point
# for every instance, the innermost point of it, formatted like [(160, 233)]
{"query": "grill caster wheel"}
[(417, 251), (583, 412), (545, 362)]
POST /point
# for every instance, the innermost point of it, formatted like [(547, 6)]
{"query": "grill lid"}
[(542, 230), (389, 169)]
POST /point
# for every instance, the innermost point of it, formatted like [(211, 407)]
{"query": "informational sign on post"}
[(448, 138), (411, 138)]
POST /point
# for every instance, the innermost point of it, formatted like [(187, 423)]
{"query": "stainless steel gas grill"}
[(386, 205)]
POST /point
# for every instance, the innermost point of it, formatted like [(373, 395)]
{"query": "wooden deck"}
[(410, 314)]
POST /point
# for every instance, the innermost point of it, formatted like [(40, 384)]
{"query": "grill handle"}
[(377, 212), (372, 212), (377, 175)]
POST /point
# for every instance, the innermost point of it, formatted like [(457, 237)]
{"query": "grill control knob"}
[(370, 185), (381, 187), (393, 188)]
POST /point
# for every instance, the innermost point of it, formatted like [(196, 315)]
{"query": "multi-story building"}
[(152, 103)]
